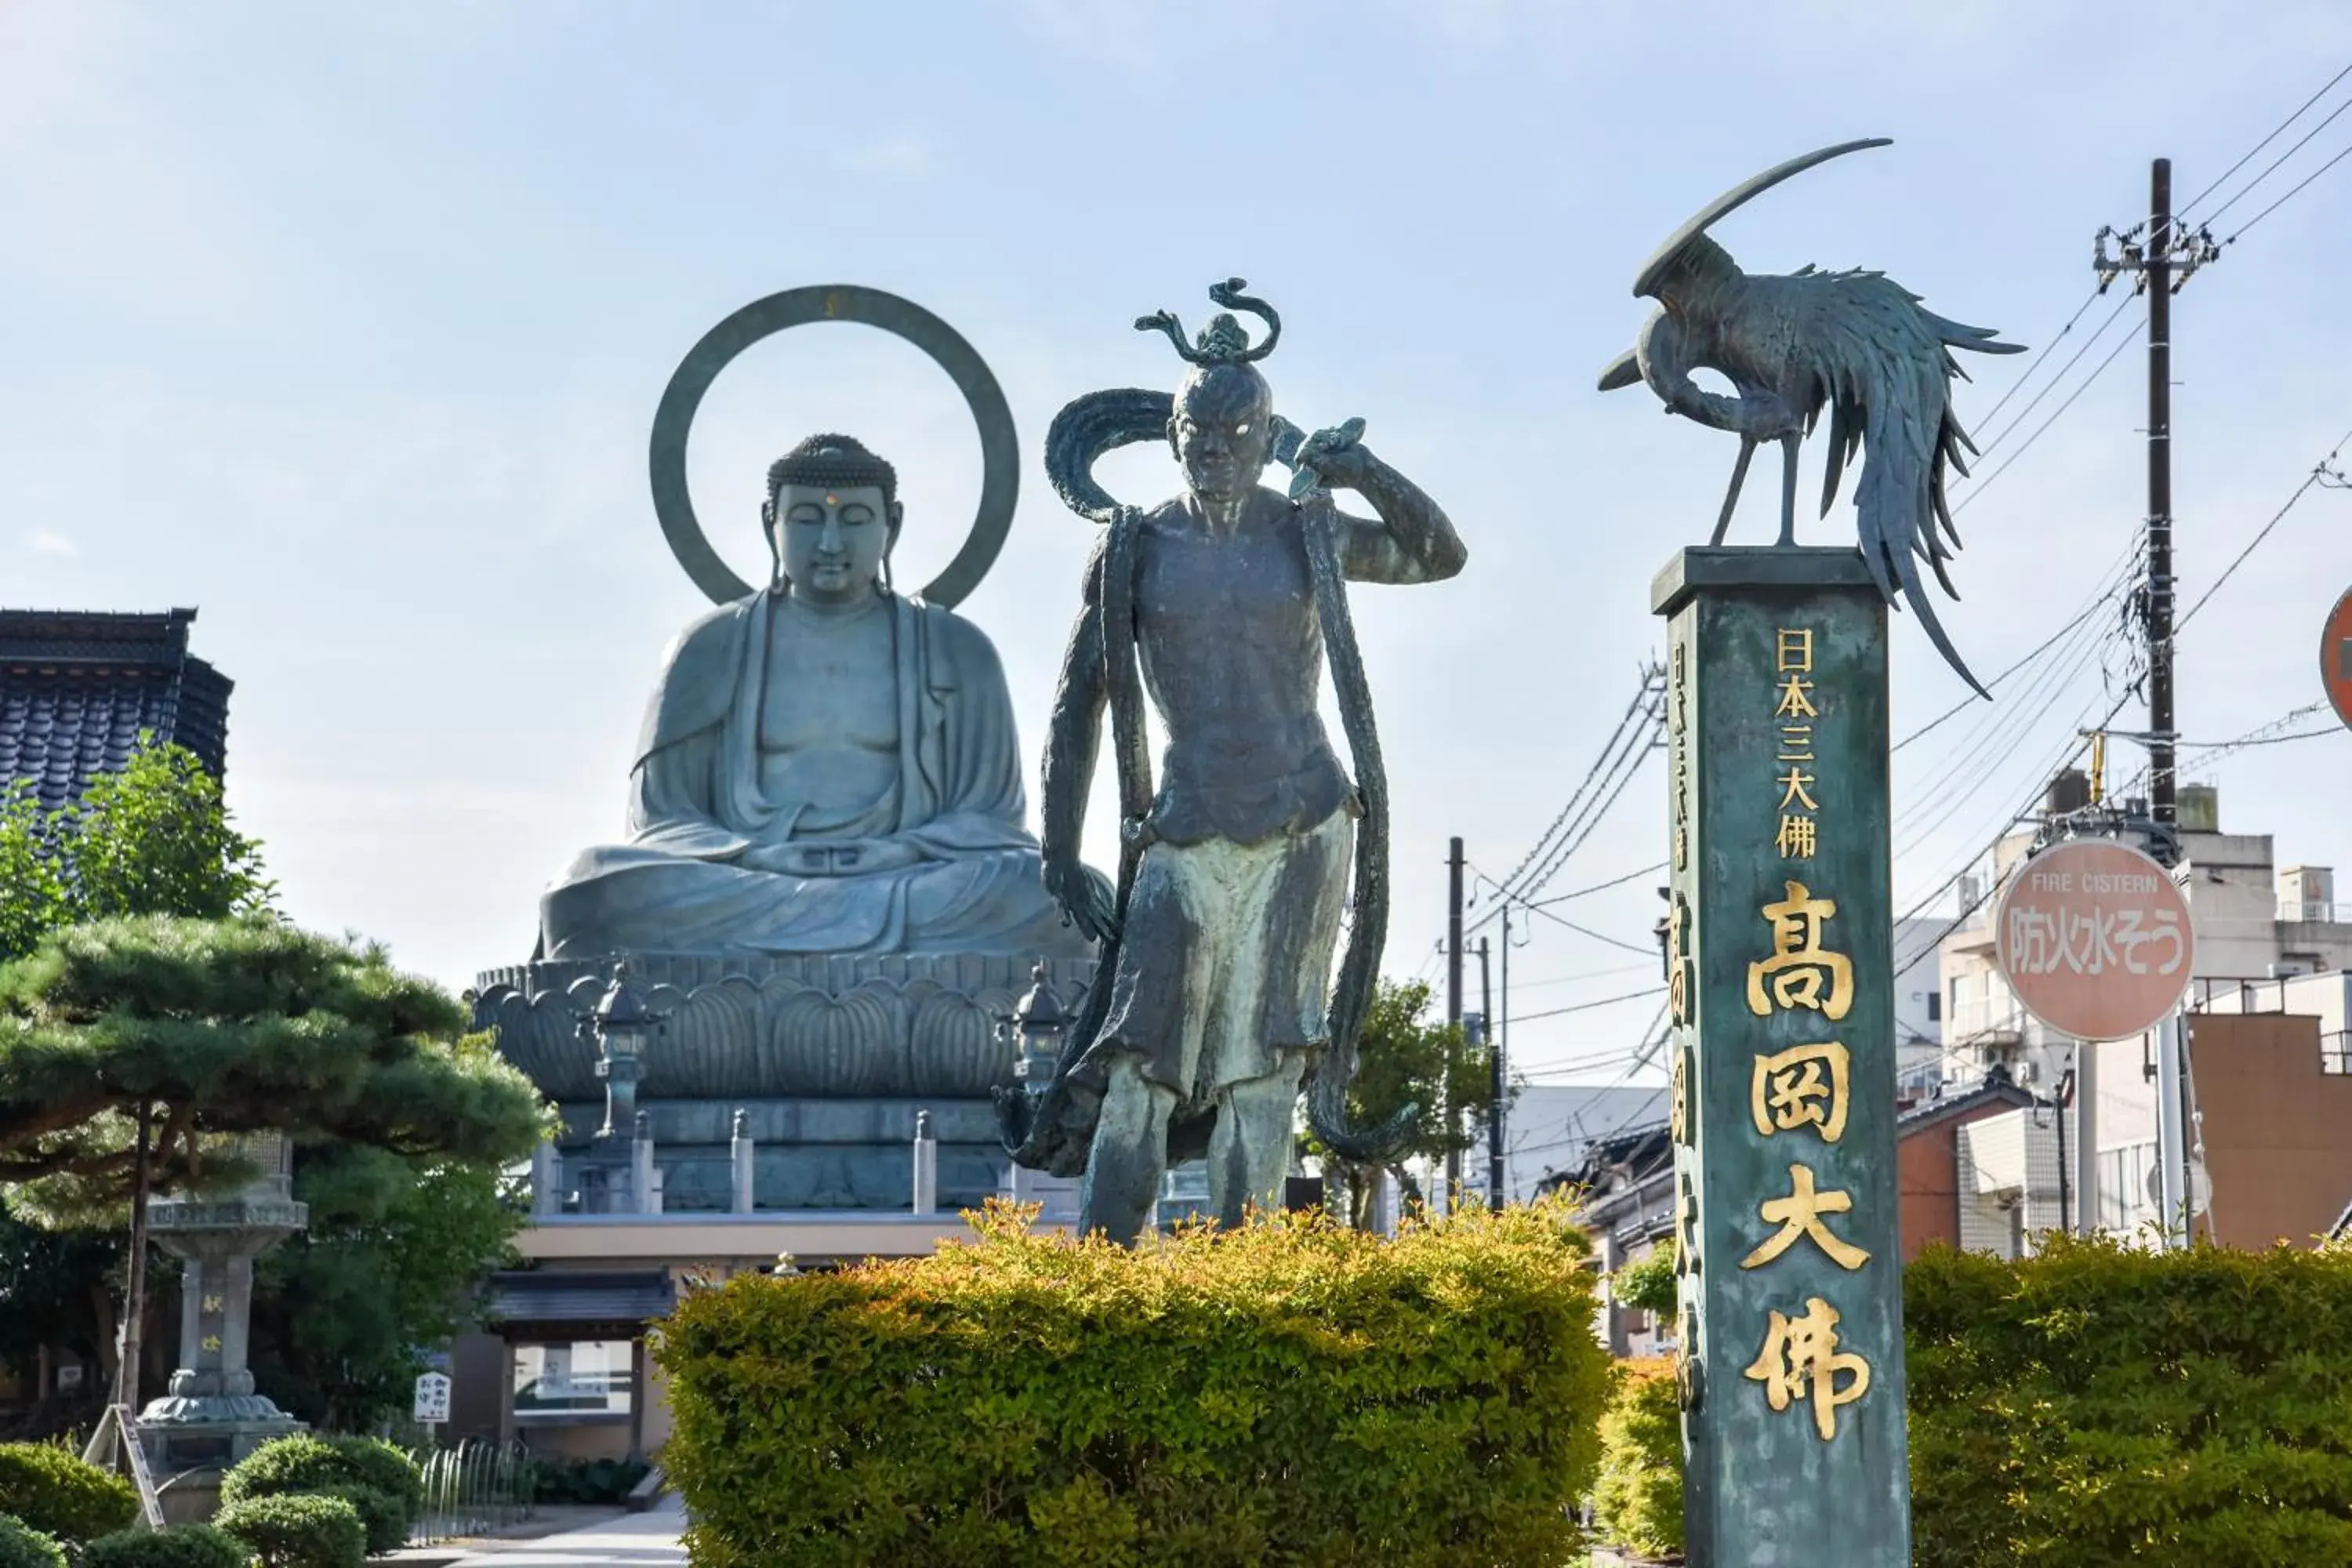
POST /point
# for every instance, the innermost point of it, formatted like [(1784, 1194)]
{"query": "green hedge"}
[(22, 1546), (54, 1492), (298, 1532), (2100, 1404), (1289, 1392), (182, 1546), (383, 1485), (1639, 1503)]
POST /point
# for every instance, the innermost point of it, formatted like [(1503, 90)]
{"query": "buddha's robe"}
[(699, 802)]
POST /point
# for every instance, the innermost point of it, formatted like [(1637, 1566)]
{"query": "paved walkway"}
[(634, 1541)]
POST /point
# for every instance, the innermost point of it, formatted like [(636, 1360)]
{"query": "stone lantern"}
[(212, 1415), (1037, 1028)]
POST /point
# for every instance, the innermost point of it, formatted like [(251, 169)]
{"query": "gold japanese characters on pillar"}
[(1801, 1362), (1799, 1216), (1793, 713), (1802, 1091), (1801, 972), (1803, 1086)]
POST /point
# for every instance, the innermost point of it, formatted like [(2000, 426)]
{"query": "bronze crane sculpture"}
[(1855, 342)]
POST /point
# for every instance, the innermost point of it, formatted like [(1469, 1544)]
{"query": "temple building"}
[(78, 688)]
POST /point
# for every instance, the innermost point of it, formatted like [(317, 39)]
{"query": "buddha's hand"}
[(839, 857), (1085, 899)]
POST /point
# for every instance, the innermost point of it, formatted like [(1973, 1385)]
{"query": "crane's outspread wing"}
[(1884, 367)]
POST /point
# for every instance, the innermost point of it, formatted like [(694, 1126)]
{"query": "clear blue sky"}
[(345, 324)]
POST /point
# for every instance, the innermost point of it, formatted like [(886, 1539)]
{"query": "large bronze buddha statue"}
[(825, 768)]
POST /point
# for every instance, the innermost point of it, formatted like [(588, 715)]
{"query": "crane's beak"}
[(1623, 371)]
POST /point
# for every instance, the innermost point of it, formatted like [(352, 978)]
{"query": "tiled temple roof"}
[(78, 687)]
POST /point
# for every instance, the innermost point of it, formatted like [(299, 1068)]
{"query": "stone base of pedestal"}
[(188, 1457), (191, 1497), (809, 1154), (176, 1445), (778, 1027)]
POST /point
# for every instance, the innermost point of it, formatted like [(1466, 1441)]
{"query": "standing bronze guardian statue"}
[(1221, 606), (1856, 343)]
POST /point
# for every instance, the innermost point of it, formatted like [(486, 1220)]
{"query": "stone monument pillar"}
[(213, 1416), (1780, 974)]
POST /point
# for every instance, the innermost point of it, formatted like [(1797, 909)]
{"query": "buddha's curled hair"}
[(833, 462)]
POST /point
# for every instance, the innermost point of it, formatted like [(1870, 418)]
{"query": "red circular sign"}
[(2095, 939), (2336, 657)]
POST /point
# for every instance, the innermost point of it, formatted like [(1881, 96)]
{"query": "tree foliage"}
[(1406, 1058), (1638, 1502), (154, 839), (234, 1025), (1648, 1283), (395, 1259)]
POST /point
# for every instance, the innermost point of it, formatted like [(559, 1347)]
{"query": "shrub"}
[(2099, 1404), (54, 1492), (1647, 1284), (21, 1546), (298, 1532), (182, 1546), (384, 1517), (307, 1462), (1640, 1499), (1291, 1392), (383, 1485)]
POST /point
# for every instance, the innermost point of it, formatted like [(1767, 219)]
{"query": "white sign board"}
[(432, 1398)]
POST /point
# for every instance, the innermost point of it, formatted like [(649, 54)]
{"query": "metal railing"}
[(474, 1488)]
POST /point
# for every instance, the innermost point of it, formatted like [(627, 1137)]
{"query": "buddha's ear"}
[(895, 513)]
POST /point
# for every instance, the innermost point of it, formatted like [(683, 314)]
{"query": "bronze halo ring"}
[(1000, 484)]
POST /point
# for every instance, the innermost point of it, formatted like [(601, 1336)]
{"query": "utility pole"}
[(1497, 1192), (2162, 778), (2167, 259), (1453, 1021)]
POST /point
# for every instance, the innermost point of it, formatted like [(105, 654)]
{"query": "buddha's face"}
[(832, 542), (1224, 431)]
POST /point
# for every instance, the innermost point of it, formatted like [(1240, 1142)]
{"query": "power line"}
[(2321, 474), (2255, 150), (2288, 197), (1639, 742), (2088, 344), (2267, 172), (1965, 704), (1588, 1006), (1979, 487), (2019, 384), (1589, 932), (1625, 723), (2001, 735), (1583, 974), (1598, 886)]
